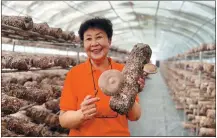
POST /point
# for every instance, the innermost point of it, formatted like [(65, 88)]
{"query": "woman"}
[(84, 108)]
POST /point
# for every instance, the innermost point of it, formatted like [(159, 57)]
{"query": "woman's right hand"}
[(88, 107)]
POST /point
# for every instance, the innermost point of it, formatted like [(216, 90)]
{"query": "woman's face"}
[(96, 44)]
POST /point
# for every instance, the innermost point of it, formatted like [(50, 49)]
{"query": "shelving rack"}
[(200, 57)]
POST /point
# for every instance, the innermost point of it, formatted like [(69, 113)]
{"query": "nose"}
[(94, 43)]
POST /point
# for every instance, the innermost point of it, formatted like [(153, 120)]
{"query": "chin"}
[(98, 58)]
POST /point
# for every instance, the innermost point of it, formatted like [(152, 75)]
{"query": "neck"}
[(100, 65)]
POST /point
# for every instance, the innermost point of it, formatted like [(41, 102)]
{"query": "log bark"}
[(42, 62), (20, 63), (25, 62), (207, 132), (211, 113), (22, 22), (133, 69), (204, 103), (7, 133), (64, 62), (30, 94), (56, 32), (56, 90), (207, 122), (68, 35), (41, 28), (191, 117), (188, 112), (30, 84), (24, 127), (208, 67), (192, 106), (11, 104), (53, 105), (40, 114)]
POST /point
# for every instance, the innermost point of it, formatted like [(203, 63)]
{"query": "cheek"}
[(105, 45), (86, 47)]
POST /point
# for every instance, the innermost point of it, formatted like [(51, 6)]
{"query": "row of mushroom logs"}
[(25, 62), (30, 103), (26, 23), (193, 94)]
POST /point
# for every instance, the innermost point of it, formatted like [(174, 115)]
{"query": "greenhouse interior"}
[(169, 45)]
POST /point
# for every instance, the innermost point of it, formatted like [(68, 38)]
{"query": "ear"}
[(110, 42)]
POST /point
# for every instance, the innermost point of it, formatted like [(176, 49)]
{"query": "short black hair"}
[(99, 23)]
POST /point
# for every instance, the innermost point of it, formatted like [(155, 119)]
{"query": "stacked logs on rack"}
[(24, 61), (192, 94), (30, 103), (28, 61), (23, 27), (195, 67), (121, 51), (201, 48), (43, 29)]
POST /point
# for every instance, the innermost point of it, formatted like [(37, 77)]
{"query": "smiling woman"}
[(96, 44), (98, 37), (85, 108)]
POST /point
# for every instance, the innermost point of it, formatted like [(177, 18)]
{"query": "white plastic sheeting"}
[(163, 25)]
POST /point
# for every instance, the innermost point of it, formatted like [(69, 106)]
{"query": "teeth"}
[(97, 50)]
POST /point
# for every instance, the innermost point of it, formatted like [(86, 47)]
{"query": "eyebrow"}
[(99, 33), (96, 34), (88, 35)]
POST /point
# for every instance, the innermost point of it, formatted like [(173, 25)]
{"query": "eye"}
[(88, 39), (98, 37)]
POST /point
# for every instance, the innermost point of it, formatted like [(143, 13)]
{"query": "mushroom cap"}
[(110, 82), (150, 68)]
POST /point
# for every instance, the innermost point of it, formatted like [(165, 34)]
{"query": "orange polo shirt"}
[(78, 84)]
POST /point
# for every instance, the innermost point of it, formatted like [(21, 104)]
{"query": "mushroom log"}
[(123, 86)]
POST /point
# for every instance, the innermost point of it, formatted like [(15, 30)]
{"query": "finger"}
[(90, 101), (87, 97), (141, 80), (145, 73), (141, 86), (89, 112), (88, 107), (91, 116), (140, 90)]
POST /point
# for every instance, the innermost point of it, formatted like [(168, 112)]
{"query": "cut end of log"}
[(110, 82), (179, 107), (150, 68), (207, 132), (188, 125)]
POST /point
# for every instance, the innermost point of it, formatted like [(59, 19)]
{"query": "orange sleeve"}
[(68, 99)]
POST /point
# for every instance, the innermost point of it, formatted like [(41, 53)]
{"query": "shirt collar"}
[(88, 64)]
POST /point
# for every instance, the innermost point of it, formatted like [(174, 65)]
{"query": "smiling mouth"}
[(96, 51)]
